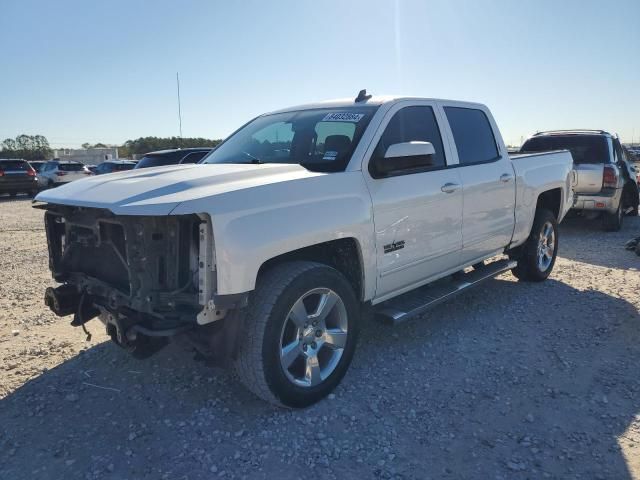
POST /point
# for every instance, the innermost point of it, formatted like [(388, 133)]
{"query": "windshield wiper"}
[(253, 158)]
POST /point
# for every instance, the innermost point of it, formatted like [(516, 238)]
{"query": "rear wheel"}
[(537, 256), (301, 326), (632, 200), (612, 222)]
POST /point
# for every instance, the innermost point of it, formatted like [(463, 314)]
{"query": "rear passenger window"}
[(417, 123), (473, 135)]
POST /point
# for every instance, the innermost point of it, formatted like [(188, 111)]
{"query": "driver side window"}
[(409, 124)]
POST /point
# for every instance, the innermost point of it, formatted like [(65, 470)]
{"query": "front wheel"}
[(300, 331), (537, 256)]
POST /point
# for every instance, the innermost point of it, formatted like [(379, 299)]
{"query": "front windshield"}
[(321, 139)]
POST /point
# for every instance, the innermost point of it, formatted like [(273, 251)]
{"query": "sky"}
[(89, 71)]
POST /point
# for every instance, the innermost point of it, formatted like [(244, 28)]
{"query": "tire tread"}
[(248, 365)]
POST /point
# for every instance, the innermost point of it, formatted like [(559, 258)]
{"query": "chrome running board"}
[(417, 301)]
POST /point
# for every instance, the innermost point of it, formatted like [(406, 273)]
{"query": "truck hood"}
[(159, 190)]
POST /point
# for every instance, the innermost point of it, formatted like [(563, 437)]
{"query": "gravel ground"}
[(512, 380)]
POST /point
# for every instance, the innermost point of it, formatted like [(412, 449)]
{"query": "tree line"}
[(27, 147), (36, 147)]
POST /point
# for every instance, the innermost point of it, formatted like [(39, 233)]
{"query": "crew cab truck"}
[(267, 252), (605, 183)]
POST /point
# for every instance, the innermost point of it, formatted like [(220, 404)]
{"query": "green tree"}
[(28, 147)]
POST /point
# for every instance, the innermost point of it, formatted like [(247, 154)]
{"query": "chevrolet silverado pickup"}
[(266, 254)]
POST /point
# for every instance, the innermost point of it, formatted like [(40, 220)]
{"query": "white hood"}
[(159, 190)]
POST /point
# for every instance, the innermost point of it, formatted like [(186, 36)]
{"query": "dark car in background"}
[(111, 166), (17, 176), (173, 157)]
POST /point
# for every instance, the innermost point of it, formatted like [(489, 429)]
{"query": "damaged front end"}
[(146, 277)]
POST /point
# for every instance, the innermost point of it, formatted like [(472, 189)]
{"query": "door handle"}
[(450, 187), (506, 177)]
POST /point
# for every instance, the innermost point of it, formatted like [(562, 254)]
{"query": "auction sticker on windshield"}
[(343, 117)]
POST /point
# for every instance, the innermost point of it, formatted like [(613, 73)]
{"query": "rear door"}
[(417, 211), (488, 181)]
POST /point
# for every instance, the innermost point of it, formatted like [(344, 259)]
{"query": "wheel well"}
[(342, 254), (551, 201)]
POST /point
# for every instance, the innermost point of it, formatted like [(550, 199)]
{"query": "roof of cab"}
[(375, 101)]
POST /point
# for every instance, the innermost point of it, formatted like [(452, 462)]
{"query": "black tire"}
[(612, 222), (528, 268), (257, 363), (632, 199)]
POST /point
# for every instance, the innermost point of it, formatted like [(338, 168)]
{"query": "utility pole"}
[(179, 108)]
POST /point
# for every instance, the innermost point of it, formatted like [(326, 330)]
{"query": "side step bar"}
[(417, 301)]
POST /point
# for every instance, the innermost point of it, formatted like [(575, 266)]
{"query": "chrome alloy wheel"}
[(313, 337), (546, 246)]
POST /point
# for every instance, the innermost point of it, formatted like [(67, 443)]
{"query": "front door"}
[(417, 211)]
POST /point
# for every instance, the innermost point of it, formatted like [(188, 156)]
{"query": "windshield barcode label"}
[(343, 117)]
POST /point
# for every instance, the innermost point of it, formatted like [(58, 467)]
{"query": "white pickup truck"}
[(267, 252)]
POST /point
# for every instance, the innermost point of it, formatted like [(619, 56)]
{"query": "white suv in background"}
[(57, 172), (606, 183)]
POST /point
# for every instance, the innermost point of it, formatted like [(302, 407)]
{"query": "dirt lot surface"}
[(512, 380)]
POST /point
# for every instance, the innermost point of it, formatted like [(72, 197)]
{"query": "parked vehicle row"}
[(266, 253), (56, 172)]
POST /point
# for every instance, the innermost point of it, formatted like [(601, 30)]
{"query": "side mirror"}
[(410, 149), (405, 156)]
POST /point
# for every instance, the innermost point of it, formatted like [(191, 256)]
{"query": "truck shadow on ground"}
[(584, 241), (493, 384)]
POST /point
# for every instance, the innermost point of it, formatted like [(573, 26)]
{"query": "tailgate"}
[(15, 178), (589, 177), (71, 176)]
